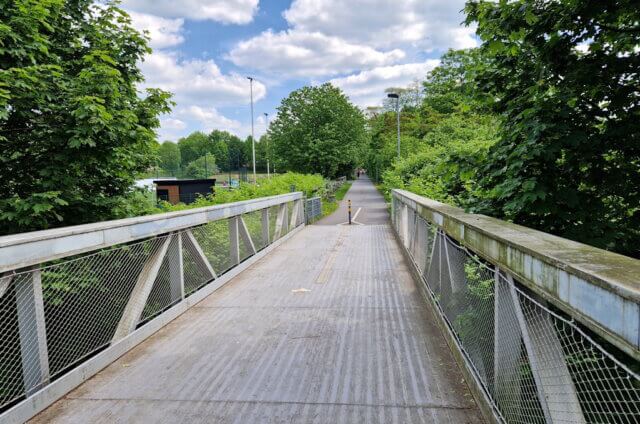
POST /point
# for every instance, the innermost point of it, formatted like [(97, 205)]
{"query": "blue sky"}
[(204, 49)]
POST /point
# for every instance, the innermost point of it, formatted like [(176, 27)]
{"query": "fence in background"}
[(313, 209), (71, 293), (532, 353)]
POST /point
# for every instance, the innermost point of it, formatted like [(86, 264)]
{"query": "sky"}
[(203, 51)]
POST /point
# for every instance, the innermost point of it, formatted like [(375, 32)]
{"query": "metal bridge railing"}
[(71, 293), (534, 363), (313, 209)]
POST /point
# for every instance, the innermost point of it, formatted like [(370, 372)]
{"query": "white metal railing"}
[(533, 361), (70, 293)]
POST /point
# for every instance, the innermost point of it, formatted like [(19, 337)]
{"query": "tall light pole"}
[(253, 139), (266, 122), (397, 97)]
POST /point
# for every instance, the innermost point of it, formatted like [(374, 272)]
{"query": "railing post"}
[(33, 335), (548, 365), (243, 231), (295, 214), (176, 267), (234, 241), (281, 221), (506, 352), (140, 294), (404, 218), (265, 226)]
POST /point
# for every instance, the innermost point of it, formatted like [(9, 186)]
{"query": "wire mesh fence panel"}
[(11, 379), (167, 288), (195, 269), (535, 364), (313, 209), (253, 220), (273, 219), (57, 314), (213, 238), (576, 373), (85, 298)]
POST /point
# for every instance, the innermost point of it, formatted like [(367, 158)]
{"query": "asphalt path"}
[(367, 206)]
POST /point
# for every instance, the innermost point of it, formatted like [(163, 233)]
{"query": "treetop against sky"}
[(204, 49)]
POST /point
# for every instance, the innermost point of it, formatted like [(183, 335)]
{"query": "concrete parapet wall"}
[(598, 288)]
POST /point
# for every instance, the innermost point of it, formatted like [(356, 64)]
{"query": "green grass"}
[(330, 207), (340, 193)]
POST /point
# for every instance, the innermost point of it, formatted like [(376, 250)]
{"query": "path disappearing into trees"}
[(367, 206)]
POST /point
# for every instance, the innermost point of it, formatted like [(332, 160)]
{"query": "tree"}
[(203, 167), (564, 75), (73, 130), (169, 157), (193, 146), (318, 131)]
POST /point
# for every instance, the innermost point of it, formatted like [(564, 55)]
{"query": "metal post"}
[(266, 120), (33, 337), (349, 211), (398, 123), (265, 226), (234, 242), (253, 139), (176, 268)]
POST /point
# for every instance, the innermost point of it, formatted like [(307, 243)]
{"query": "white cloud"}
[(199, 87), (424, 24), (209, 118), (198, 82), (225, 11), (367, 88), (173, 124), (162, 31), (306, 54)]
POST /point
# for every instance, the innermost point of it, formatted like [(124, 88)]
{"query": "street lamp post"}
[(397, 97), (253, 139), (266, 122)]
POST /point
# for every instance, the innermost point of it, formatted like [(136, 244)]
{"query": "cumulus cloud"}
[(197, 81), (424, 24), (162, 31), (224, 11), (307, 54), (199, 87), (366, 88), (209, 118)]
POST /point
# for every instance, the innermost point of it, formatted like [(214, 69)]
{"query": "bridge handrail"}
[(559, 269), (25, 249), (72, 300), (521, 315)]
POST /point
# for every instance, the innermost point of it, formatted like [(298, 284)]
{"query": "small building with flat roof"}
[(184, 191)]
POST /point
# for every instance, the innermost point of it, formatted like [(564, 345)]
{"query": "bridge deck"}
[(360, 346)]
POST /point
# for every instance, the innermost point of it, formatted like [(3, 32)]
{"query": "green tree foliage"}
[(193, 146), (446, 133), (169, 157), (203, 167), (318, 131), (564, 75), (73, 131)]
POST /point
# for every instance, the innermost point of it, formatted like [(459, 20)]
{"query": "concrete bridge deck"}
[(330, 327)]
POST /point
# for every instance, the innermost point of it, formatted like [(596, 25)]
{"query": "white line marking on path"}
[(356, 215)]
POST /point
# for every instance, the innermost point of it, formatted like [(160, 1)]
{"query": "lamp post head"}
[(250, 78)]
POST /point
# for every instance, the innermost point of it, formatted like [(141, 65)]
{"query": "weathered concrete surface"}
[(600, 289), (360, 346), (364, 196)]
